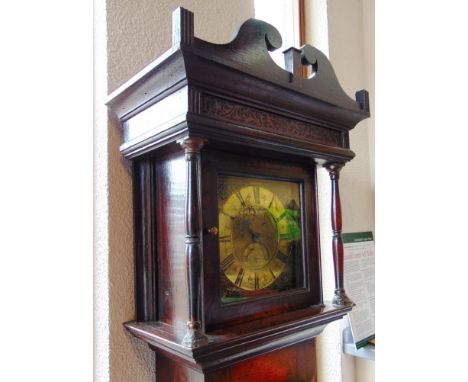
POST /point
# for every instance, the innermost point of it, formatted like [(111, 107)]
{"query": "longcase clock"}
[(225, 146)]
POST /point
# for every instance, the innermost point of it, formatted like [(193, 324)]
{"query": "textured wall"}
[(100, 226), (138, 31), (349, 58)]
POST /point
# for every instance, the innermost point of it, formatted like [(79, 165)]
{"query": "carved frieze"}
[(272, 123)]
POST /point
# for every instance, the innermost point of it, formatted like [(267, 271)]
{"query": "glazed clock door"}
[(259, 260)]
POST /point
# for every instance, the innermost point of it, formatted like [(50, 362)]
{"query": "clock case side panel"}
[(144, 199), (216, 315), (170, 180), (159, 213)]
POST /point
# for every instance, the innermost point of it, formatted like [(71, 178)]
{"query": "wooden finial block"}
[(182, 27), (362, 98), (293, 64)]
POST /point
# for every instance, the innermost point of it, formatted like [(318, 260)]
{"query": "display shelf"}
[(366, 352)]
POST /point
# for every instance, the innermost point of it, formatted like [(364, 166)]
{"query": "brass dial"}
[(253, 240)]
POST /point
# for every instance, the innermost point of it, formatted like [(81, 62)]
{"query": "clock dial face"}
[(259, 236)]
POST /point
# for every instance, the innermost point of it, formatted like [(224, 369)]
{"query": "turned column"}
[(340, 298), (193, 249)]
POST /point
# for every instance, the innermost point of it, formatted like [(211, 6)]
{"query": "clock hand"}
[(253, 235)]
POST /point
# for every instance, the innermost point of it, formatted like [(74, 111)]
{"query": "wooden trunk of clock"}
[(225, 148), (295, 363)]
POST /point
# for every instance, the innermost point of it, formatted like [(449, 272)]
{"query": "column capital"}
[(192, 145), (334, 168)]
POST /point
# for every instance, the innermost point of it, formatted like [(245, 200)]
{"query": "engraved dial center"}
[(255, 238)]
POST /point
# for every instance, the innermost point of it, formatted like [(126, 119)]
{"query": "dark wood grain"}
[(145, 244), (170, 208), (223, 109), (293, 363)]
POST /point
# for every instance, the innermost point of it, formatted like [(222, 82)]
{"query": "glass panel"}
[(260, 245)]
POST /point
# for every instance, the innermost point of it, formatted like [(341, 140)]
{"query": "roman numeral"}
[(241, 199), (256, 281), (226, 263), (273, 198), (274, 277), (257, 194), (225, 238), (239, 278), (229, 216), (282, 257)]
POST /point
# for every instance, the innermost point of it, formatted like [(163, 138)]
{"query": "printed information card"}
[(359, 281)]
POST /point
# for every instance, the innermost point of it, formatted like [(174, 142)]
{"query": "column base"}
[(194, 338), (341, 299)]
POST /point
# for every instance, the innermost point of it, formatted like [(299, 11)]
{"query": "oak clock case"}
[(225, 147)]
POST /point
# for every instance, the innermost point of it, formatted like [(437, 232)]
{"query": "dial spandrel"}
[(259, 236)]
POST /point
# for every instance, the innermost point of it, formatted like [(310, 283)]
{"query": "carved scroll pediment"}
[(249, 51)]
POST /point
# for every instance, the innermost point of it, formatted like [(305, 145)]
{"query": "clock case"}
[(201, 109)]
